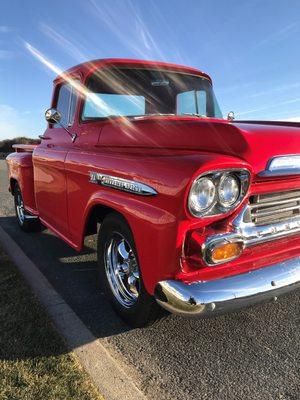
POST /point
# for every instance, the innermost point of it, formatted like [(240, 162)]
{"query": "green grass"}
[(34, 361)]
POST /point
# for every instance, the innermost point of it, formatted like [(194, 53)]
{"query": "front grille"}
[(274, 207)]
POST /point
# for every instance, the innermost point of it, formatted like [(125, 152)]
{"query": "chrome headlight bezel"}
[(211, 194), (217, 208), (235, 194)]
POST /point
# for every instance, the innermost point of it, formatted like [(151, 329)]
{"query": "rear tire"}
[(121, 275), (23, 217)]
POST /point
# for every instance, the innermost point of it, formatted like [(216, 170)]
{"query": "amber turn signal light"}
[(226, 251)]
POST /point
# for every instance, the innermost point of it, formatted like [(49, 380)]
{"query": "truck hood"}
[(254, 143)]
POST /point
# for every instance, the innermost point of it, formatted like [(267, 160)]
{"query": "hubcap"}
[(122, 270), (20, 209)]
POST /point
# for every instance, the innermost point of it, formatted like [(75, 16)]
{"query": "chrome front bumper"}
[(229, 294)]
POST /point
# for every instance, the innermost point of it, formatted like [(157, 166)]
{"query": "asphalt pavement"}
[(253, 354)]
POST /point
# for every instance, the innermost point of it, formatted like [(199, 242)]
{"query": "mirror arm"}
[(72, 135), (53, 117)]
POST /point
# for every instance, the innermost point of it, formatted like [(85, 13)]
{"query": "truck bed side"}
[(20, 170)]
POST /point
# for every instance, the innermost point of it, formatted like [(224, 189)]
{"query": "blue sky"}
[(250, 48)]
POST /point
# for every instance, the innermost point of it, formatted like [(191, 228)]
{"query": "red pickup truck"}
[(194, 213)]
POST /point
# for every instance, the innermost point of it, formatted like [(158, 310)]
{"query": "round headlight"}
[(228, 190), (202, 195)]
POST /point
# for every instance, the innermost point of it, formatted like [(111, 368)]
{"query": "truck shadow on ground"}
[(73, 275)]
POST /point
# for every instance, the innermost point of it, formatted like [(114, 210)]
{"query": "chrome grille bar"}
[(273, 203), (278, 210), (261, 198), (271, 208), (252, 233)]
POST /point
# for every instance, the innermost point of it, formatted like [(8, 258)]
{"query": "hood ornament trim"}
[(288, 164)]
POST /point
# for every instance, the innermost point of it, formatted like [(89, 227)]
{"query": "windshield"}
[(138, 92)]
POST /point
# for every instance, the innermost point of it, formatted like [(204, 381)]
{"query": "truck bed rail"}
[(24, 148)]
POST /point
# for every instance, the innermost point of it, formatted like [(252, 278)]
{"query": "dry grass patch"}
[(34, 361)]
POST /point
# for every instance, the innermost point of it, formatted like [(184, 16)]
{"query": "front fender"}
[(159, 223), (154, 231)]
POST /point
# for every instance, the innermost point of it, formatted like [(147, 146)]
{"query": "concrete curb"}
[(106, 373)]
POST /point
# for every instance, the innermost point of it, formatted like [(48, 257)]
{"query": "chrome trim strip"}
[(292, 169), (282, 172), (125, 185), (224, 295)]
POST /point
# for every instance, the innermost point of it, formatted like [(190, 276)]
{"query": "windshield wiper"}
[(152, 115), (194, 115)]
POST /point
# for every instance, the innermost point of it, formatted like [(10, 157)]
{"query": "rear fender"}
[(20, 170)]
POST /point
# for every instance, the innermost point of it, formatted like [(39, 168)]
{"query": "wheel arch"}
[(153, 229), (96, 214)]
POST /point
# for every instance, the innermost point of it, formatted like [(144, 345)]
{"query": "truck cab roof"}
[(86, 68)]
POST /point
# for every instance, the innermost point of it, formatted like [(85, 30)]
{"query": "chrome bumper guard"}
[(224, 295)]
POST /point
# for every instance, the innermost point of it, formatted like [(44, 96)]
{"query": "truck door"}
[(49, 163)]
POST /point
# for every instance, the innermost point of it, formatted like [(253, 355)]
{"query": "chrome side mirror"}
[(52, 116), (230, 116)]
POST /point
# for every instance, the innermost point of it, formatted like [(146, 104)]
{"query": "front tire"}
[(121, 274), (26, 222)]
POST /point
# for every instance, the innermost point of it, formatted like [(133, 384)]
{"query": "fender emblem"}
[(125, 185)]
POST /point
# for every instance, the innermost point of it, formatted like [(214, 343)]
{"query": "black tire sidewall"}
[(17, 192), (26, 225)]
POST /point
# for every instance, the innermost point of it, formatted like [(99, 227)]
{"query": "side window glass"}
[(63, 104)]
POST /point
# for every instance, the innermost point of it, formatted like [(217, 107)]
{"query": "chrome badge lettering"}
[(95, 177), (121, 184)]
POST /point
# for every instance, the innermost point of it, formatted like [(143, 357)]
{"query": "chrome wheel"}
[(20, 208), (122, 270)]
